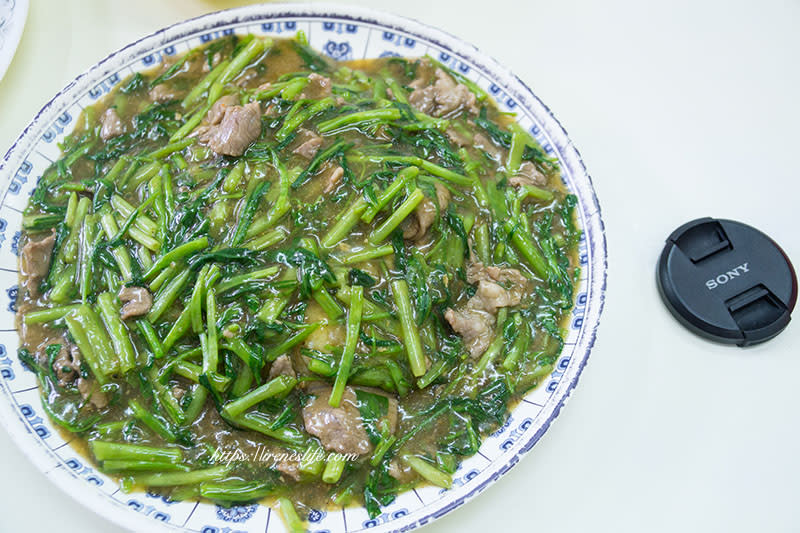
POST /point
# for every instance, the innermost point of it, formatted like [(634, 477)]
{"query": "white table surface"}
[(681, 109)]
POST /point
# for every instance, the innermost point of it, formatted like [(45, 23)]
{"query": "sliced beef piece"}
[(111, 125), (289, 468), (443, 97), (511, 278), (162, 93), (217, 111), (90, 390), (235, 131), (490, 296), (66, 365), (318, 87), (528, 174), (424, 80), (475, 326), (339, 429), (442, 196), (308, 143), (457, 138), (422, 98), (282, 366), (34, 262), (484, 143), (497, 287), (416, 226), (452, 96), (331, 175), (136, 301)]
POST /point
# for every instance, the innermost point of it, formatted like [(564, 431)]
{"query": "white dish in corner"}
[(12, 21)]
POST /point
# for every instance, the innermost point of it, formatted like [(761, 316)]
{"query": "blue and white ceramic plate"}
[(342, 33)]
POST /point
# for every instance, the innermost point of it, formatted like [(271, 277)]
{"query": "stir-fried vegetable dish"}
[(259, 273)]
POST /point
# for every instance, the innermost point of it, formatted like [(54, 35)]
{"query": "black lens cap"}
[(727, 281)]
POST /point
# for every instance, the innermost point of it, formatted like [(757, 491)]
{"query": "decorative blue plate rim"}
[(501, 450)]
